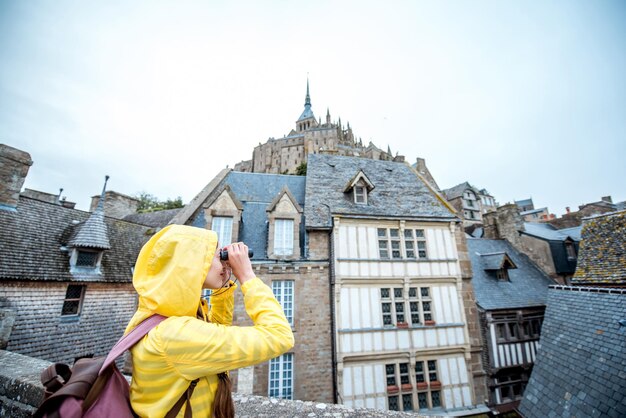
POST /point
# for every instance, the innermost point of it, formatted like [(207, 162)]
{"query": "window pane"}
[(223, 226), (384, 293), (393, 403), (394, 233), (73, 298), (86, 259), (391, 374), (283, 236), (397, 292), (382, 232), (408, 233), (283, 291), (424, 291), (407, 402), (436, 398), (421, 399), (419, 233)]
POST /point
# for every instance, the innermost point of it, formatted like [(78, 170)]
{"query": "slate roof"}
[(527, 285), (531, 211), (256, 191), (495, 261), (580, 370), (31, 239), (550, 233), (92, 233), (398, 191), (602, 255), (156, 219), (524, 202), (457, 191)]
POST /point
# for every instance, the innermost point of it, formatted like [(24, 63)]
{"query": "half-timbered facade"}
[(511, 295), (400, 329)]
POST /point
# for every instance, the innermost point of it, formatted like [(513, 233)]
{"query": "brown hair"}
[(223, 406)]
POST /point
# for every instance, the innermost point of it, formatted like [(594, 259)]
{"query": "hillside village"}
[(402, 295)]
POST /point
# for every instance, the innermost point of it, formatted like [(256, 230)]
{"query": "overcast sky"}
[(523, 98)]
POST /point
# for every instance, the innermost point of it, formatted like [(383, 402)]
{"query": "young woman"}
[(196, 342)]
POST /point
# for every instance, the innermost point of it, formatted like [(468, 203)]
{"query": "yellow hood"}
[(170, 271)]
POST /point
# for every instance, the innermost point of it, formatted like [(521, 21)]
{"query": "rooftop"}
[(527, 285), (580, 366), (398, 191)]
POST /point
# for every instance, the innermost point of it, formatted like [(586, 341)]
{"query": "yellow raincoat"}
[(169, 274)]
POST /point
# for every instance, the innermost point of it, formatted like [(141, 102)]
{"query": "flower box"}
[(431, 322), (392, 389), (435, 384), (407, 387), (422, 385), (402, 325)]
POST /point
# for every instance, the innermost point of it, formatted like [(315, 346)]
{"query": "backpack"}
[(95, 388)]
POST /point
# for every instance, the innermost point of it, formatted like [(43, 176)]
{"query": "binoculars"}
[(224, 254)]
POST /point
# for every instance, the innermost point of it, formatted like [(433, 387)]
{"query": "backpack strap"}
[(184, 398), (54, 377), (132, 338)]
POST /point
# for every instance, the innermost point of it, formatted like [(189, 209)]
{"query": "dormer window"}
[(571, 251), (88, 259), (360, 186), (360, 194), (498, 265), (284, 216)]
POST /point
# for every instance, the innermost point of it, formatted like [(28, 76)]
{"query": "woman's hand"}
[(239, 262)]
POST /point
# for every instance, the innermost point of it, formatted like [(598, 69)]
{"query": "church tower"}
[(307, 118)]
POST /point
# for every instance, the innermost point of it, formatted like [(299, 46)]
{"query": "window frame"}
[(282, 290), (221, 238), (429, 384), (416, 297), (418, 243), (285, 237), (80, 299), (360, 194), (285, 364)]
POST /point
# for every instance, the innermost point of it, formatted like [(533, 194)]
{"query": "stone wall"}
[(312, 351), (539, 251), (40, 331), (21, 392)]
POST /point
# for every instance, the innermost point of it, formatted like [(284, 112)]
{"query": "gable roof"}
[(497, 261), (548, 232), (354, 180), (399, 191), (31, 241), (524, 202), (602, 253), (579, 370), (527, 285), (457, 191)]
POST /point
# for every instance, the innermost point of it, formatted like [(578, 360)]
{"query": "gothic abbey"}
[(311, 136)]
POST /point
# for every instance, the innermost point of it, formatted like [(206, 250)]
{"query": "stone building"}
[(266, 212), (575, 218), (511, 294), (405, 329), (65, 274), (579, 370), (310, 136), (553, 250), (470, 202)]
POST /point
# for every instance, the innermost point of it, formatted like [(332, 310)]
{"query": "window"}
[(86, 258), (283, 236), (283, 291), (223, 226), (511, 386), (510, 327), (571, 251), (399, 387), (414, 239), (389, 243), (394, 304), (73, 303), (281, 377), (470, 203), (428, 385), (360, 194), (502, 274)]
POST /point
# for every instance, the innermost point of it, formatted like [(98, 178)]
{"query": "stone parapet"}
[(21, 392)]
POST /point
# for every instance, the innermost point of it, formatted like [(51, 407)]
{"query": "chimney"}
[(504, 223), (14, 166), (116, 205), (607, 199), (567, 210)]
